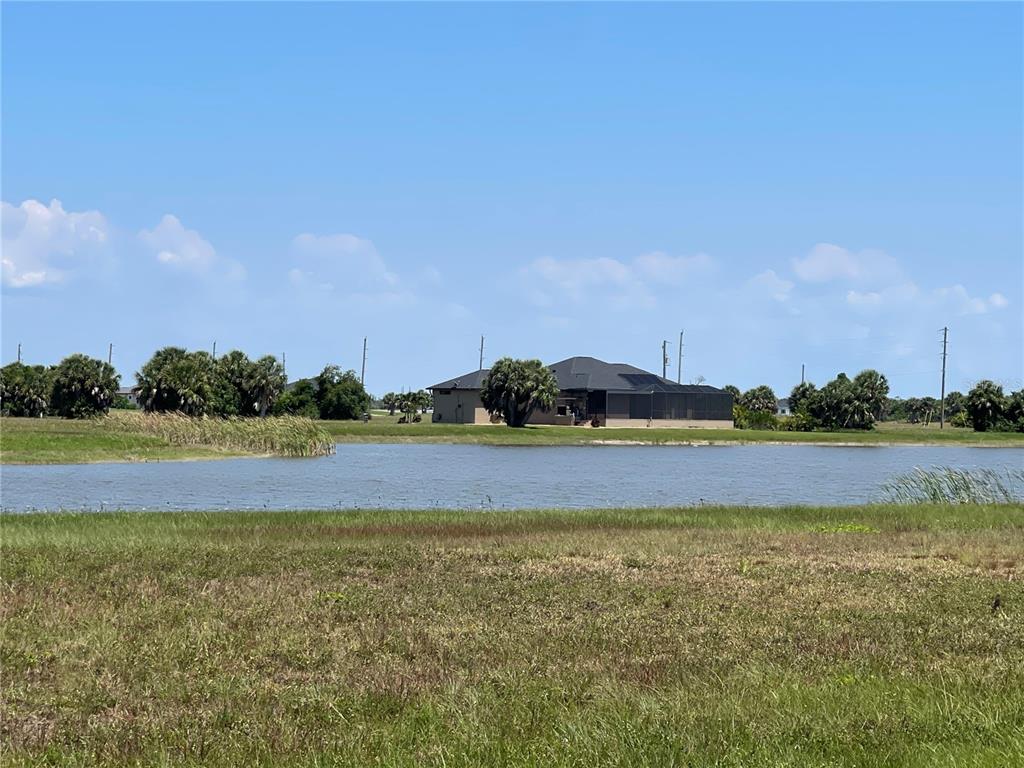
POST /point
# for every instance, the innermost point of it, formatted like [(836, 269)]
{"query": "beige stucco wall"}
[(459, 407)]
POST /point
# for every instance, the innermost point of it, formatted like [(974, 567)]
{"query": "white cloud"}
[(662, 267), (185, 249), (863, 299), (903, 294), (619, 284), (963, 303), (47, 244), (826, 262), (770, 284), (579, 279), (341, 262)]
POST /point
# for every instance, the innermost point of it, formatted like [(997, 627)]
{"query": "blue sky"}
[(799, 183)]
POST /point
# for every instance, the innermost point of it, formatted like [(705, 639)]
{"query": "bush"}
[(743, 418), (798, 422)]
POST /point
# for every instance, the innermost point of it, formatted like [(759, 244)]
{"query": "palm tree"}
[(514, 389), (985, 405), (873, 389), (265, 382)]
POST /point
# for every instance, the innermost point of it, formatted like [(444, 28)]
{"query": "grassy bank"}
[(134, 436), (386, 429), (793, 637), (59, 441), (80, 441)]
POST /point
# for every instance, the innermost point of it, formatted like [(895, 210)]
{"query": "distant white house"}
[(131, 394), (782, 407)]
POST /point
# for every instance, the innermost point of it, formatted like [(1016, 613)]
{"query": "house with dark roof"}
[(593, 391), (457, 401)]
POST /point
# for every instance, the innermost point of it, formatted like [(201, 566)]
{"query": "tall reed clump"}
[(278, 435), (946, 485)]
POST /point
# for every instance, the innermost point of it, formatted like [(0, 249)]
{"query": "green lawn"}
[(69, 441), (60, 441), (386, 429), (727, 637)]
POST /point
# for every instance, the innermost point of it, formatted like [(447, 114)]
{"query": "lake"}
[(425, 476)]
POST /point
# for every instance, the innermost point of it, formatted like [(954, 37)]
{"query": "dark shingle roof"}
[(472, 380), (591, 373)]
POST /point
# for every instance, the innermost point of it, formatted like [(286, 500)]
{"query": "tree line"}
[(176, 380), (862, 401), (410, 404)]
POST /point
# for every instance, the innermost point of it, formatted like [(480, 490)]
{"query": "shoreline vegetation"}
[(811, 636), (133, 436), (129, 436)]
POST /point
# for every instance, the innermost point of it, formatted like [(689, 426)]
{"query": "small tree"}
[(956, 403), (514, 389), (340, 395), (300, 400), (872, 392), (230, 396), (83, 386), (986, 405), (426, 400), (800, 396), (390, 401), (25, 390), (732, 390), (264, 384), (177, 380), (759, 400), (1015, 411), (409, 404)]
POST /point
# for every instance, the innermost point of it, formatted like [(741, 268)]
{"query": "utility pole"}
[(284, 366), (19, 351), (110, 353), (942, 402), (215, 349), (481, 354), (679, 370), (802, 367), (362, 374), (664, 359)]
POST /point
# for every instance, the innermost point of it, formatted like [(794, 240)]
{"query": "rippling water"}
[(483, 477)]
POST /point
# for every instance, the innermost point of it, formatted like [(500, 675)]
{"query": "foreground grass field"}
[(728, 637), (60, 441)]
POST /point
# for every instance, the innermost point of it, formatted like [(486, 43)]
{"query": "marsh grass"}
[(707, 637), (948, 485), (277, 435)]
